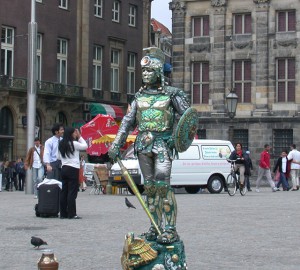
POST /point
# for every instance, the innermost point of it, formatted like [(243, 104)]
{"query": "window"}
[(241, 136), (242, 80), (286, 21), (285, 79), (7, 134), (61, 118), (242, 24), (114, 70), (7, 51), (116, 11), (98, 8), (201, 133), (132, 16), (97, 67), (200, 83), (39, 57), (63, 4), (201, 26), (62, 56), (282, 139), (131, 73)]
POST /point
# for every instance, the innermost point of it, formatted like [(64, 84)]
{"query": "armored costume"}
[(155, 111)]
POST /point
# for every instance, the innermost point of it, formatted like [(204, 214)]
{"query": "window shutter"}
[(291, 92), (248, 28), (238, 24), (281, 22), (205, 93), (197, 24), (281, 91), (291, 68), (291, 21), (206, 26), (196, 72), (196, 94)]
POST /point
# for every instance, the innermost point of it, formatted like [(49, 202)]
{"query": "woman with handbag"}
[(68, 153)]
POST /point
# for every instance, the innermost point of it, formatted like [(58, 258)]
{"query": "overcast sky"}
[(160, 12)]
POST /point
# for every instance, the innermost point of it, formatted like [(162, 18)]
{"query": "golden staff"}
[(136, 192)]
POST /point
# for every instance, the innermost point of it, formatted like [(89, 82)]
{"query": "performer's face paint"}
[(149, 76)]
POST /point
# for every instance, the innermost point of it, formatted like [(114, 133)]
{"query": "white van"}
[(203, 165)]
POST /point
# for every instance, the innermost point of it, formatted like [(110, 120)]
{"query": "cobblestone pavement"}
[(257, 231)]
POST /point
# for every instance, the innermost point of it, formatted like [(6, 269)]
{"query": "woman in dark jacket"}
[(241, 163)]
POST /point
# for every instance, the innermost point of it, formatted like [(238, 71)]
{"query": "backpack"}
[(21, 168)]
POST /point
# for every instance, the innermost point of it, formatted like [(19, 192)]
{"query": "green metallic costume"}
[(155, 111)]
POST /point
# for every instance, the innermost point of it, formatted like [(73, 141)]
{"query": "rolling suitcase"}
[(48, 202)]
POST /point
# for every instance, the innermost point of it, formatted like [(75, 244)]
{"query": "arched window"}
[(6, 134), (61, 118)]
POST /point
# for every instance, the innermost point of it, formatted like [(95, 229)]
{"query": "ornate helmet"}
[(154, 58)]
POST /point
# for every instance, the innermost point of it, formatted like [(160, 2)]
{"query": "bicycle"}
[(233, 180)]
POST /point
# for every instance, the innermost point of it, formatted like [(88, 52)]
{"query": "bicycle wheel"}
[(244, 190), (231, 184)]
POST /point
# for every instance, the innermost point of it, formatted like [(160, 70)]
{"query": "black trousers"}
[(21, 181), (68, 195)]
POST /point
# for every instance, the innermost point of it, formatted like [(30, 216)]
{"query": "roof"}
[(157, 25)]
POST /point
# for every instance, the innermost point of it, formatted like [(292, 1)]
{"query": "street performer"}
[(155, 110)]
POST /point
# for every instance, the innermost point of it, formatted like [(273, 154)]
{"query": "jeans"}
[(37, 177), (283, 181)]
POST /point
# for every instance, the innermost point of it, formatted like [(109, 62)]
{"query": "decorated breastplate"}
[(154, 112)]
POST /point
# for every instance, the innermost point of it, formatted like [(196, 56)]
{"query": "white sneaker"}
[(274, 189), (35, 197), (257, 190)]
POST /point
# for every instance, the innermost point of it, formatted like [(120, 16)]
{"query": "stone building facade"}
[(252, 47), (88, 52)]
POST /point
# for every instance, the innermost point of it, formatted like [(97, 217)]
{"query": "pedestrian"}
[(264, 168), (11, 176), (81, 174), (282, 165), (34, 161), (294, 156), (53, 165), (241, 158), (248, 169), (21, 173), (68, 153)]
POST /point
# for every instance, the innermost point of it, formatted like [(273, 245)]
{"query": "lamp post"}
[(231, 103)]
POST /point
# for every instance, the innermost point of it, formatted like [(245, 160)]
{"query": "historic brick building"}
[(88, 52), (251, 46)]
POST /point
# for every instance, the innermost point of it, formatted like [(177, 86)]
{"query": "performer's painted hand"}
[(114, 152)]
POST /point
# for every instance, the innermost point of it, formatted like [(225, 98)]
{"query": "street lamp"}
[(231, 103)]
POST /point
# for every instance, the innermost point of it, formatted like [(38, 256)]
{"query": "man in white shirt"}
[(294, 156), (34, 160), (53, 165)]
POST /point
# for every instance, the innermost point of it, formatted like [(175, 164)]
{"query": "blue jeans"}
[(283, 181), (37, 177)]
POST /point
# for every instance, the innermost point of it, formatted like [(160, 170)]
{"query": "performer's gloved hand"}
[(114, 151)]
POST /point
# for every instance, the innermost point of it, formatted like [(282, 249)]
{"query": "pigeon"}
[(129, 204), (37, 242)]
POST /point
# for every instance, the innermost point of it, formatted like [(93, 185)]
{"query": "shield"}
[(186, 130), (99, 126)]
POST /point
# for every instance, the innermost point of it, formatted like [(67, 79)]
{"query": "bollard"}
[(48, 261)]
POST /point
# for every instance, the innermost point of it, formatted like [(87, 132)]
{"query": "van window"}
[(191, 153), (215, 151)]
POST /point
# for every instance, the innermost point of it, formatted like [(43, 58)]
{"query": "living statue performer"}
[(155, 111)]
